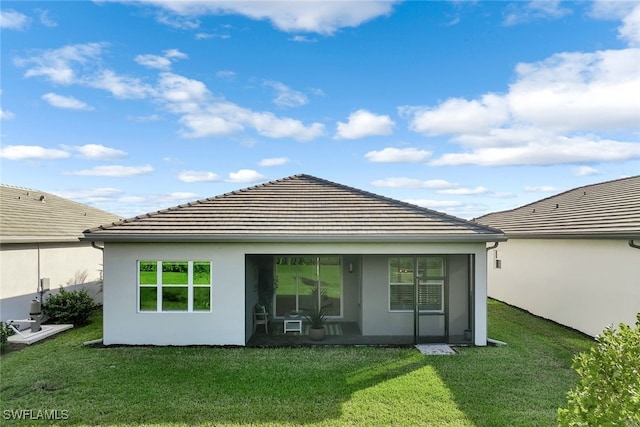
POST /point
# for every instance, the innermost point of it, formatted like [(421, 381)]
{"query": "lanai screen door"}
[(304, 281)]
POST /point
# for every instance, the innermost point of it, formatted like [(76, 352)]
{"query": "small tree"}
[(608, 392)]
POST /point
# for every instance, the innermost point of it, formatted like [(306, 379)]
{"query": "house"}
[(40, 239), (192, 274), (573, 257)]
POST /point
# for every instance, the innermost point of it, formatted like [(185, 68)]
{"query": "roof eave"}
[(631, 235), (352, 238), (40, 239)]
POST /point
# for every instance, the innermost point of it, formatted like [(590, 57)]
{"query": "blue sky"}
[(464, 107)]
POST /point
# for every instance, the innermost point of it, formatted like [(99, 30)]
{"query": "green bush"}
[(70, 307), (608, 392), (5, 333)]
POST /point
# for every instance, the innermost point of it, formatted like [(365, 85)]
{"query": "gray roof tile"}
[(28, 215), (300, 207), (607, 209)]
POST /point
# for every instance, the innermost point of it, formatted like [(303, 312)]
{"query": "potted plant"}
[(316, 316)]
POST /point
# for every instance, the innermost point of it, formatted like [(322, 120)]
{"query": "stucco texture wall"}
[(65, 264), (584, 284), (232, 296)]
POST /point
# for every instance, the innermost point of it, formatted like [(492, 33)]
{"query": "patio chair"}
[(260, 317)]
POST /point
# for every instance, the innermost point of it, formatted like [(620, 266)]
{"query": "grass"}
[(520, 384)]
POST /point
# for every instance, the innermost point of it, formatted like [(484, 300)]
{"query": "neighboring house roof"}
[(35, 216), (301, 208), (608, 209)]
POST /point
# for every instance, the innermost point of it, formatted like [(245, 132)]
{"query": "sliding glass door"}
[(305, 281)]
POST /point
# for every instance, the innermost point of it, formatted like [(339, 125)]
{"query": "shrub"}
[(70, 307), (608, 391), (5, 333)]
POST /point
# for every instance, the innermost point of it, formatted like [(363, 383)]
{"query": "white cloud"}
[(181, 94), (81, 64), (114, 171), (199, 112), (585, 171), (578, 91), (45, 19), (6, 115), (91, 195), (398, 155), (31, 152), (630, 29), (275, 161), (58, 65), (153, 61), (303, 39), (144, 119), (458, 115), (461, 191), (285, 96), (521, 12), (221, 118), (122, 87), (12, 20), (160, 62), (555, 150), (66, 102), (401, 182), (245, 176), (226, 75), (175, 54), (433, 204), (541, 189), (197, 176), (556, 111), (363, 123), (323, 17), (96, 152)]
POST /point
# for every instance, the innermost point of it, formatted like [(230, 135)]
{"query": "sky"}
[(465, 107)]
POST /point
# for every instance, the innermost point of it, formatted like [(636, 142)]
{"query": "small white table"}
[(292, 324)]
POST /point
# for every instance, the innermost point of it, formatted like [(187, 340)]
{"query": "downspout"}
[(100, 248), (633, 245), (495, 245)]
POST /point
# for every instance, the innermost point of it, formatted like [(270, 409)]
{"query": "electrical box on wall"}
[(498, 263), (45, 284)]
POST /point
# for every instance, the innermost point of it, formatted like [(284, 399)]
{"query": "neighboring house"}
[(40, 239), (573, 258), (192, 274)]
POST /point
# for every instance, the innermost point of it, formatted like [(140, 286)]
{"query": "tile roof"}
[(607, 209), (299, 207), (28, 215)]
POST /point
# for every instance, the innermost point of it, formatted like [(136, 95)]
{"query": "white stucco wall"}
[(22, 266), (584, 284), (227, 323)]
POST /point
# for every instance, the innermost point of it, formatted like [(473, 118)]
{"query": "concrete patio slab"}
[(435, 349), (28, 337)]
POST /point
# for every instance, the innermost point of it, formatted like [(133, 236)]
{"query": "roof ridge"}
[(397, 202)]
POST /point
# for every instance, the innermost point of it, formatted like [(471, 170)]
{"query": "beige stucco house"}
[(40, 239), (192, 274), (574, 257)]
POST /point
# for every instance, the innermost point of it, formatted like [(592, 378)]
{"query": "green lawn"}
[(521, 384)]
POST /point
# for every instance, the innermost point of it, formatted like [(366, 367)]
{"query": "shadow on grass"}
[(522, 383), (194, 385)]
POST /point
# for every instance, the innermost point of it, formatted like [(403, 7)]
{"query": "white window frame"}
[(189, 285)]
